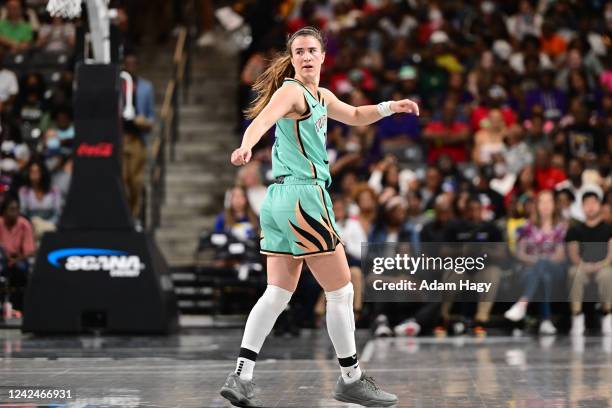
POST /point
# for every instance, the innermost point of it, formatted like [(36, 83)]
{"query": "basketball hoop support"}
[(99, 23)]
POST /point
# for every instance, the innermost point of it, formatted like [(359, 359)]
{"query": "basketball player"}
[(297, 221)]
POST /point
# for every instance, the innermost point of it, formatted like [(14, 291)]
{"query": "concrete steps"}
[(197, 178)]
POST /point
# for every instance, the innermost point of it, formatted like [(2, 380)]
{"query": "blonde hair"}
[(279, 69)]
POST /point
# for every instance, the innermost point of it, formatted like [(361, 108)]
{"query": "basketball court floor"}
[(186, 370)]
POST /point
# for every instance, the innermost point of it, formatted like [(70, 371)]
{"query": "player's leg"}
[(283, 276), (333, 274)]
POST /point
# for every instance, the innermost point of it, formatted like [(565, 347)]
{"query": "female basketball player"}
[(297, 221)]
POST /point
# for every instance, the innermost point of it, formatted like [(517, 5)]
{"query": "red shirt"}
[(18, 240), (547, 178), (437, 148), (481, 113)]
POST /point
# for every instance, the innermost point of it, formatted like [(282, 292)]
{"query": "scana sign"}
[(119, 264)]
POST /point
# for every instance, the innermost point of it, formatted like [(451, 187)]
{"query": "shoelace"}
[(371, 384)]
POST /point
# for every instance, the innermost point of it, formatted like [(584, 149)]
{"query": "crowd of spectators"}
[(513, 143), (37, 60), (36, 133)]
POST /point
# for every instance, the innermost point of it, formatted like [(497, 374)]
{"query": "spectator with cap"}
[(590, 252)]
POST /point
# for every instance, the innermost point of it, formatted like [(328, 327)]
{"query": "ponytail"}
[(279, 69), (269, 82)]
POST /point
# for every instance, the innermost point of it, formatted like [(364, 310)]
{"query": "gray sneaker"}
[(239, 392), (363, 392)]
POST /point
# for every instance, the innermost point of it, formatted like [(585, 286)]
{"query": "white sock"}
[(341, 329), (244, 368), (259, 324), (349, 367)]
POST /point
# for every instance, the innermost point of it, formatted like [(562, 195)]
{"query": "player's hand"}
[(406, 106), (241, 156)]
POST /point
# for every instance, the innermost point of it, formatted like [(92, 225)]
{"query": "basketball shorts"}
[(297, 220)]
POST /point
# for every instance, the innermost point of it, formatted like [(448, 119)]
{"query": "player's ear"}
[(323, 57)]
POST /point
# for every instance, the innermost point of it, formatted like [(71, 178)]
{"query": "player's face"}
[(307, 57)]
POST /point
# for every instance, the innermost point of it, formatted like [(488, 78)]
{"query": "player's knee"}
[(343, 294), (276, 297)]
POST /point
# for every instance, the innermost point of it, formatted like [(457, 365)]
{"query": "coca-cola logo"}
[(95, 150)]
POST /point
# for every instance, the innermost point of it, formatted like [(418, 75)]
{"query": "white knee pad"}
[(275, 298), (263, 316), (341, 301)]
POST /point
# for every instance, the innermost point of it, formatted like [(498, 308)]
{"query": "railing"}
[(163, 145)]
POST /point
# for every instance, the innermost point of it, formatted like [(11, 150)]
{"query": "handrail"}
[(164, 142)]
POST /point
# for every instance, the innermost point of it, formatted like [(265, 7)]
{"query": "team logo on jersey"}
[(321, 123)]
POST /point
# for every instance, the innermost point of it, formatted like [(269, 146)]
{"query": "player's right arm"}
[(286, 100)]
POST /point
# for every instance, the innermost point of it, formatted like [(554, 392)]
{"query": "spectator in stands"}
[(489, 140), (517, 153), (435, 231), (40, 202), (582, 139), (16, 33), (551, 100), (525, 185), (525, 22), (553, 43), (432, 186), (9, 128), (472, 228), (59, 138), (238, 219), (547, 175), (9, 87), (57, 36), (249, 177), (358, 230), (17, 242), (136, 134), (60, 179), (31, 106), (447, 135), (541, 248), (492, 202), (590, 252), (391, 228)]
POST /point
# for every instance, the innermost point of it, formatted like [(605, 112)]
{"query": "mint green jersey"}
[(300, 146)]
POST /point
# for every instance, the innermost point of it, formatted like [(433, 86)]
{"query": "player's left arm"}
[(367, 114)]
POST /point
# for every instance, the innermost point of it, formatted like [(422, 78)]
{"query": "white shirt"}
[(353, 236), (8, 84)]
